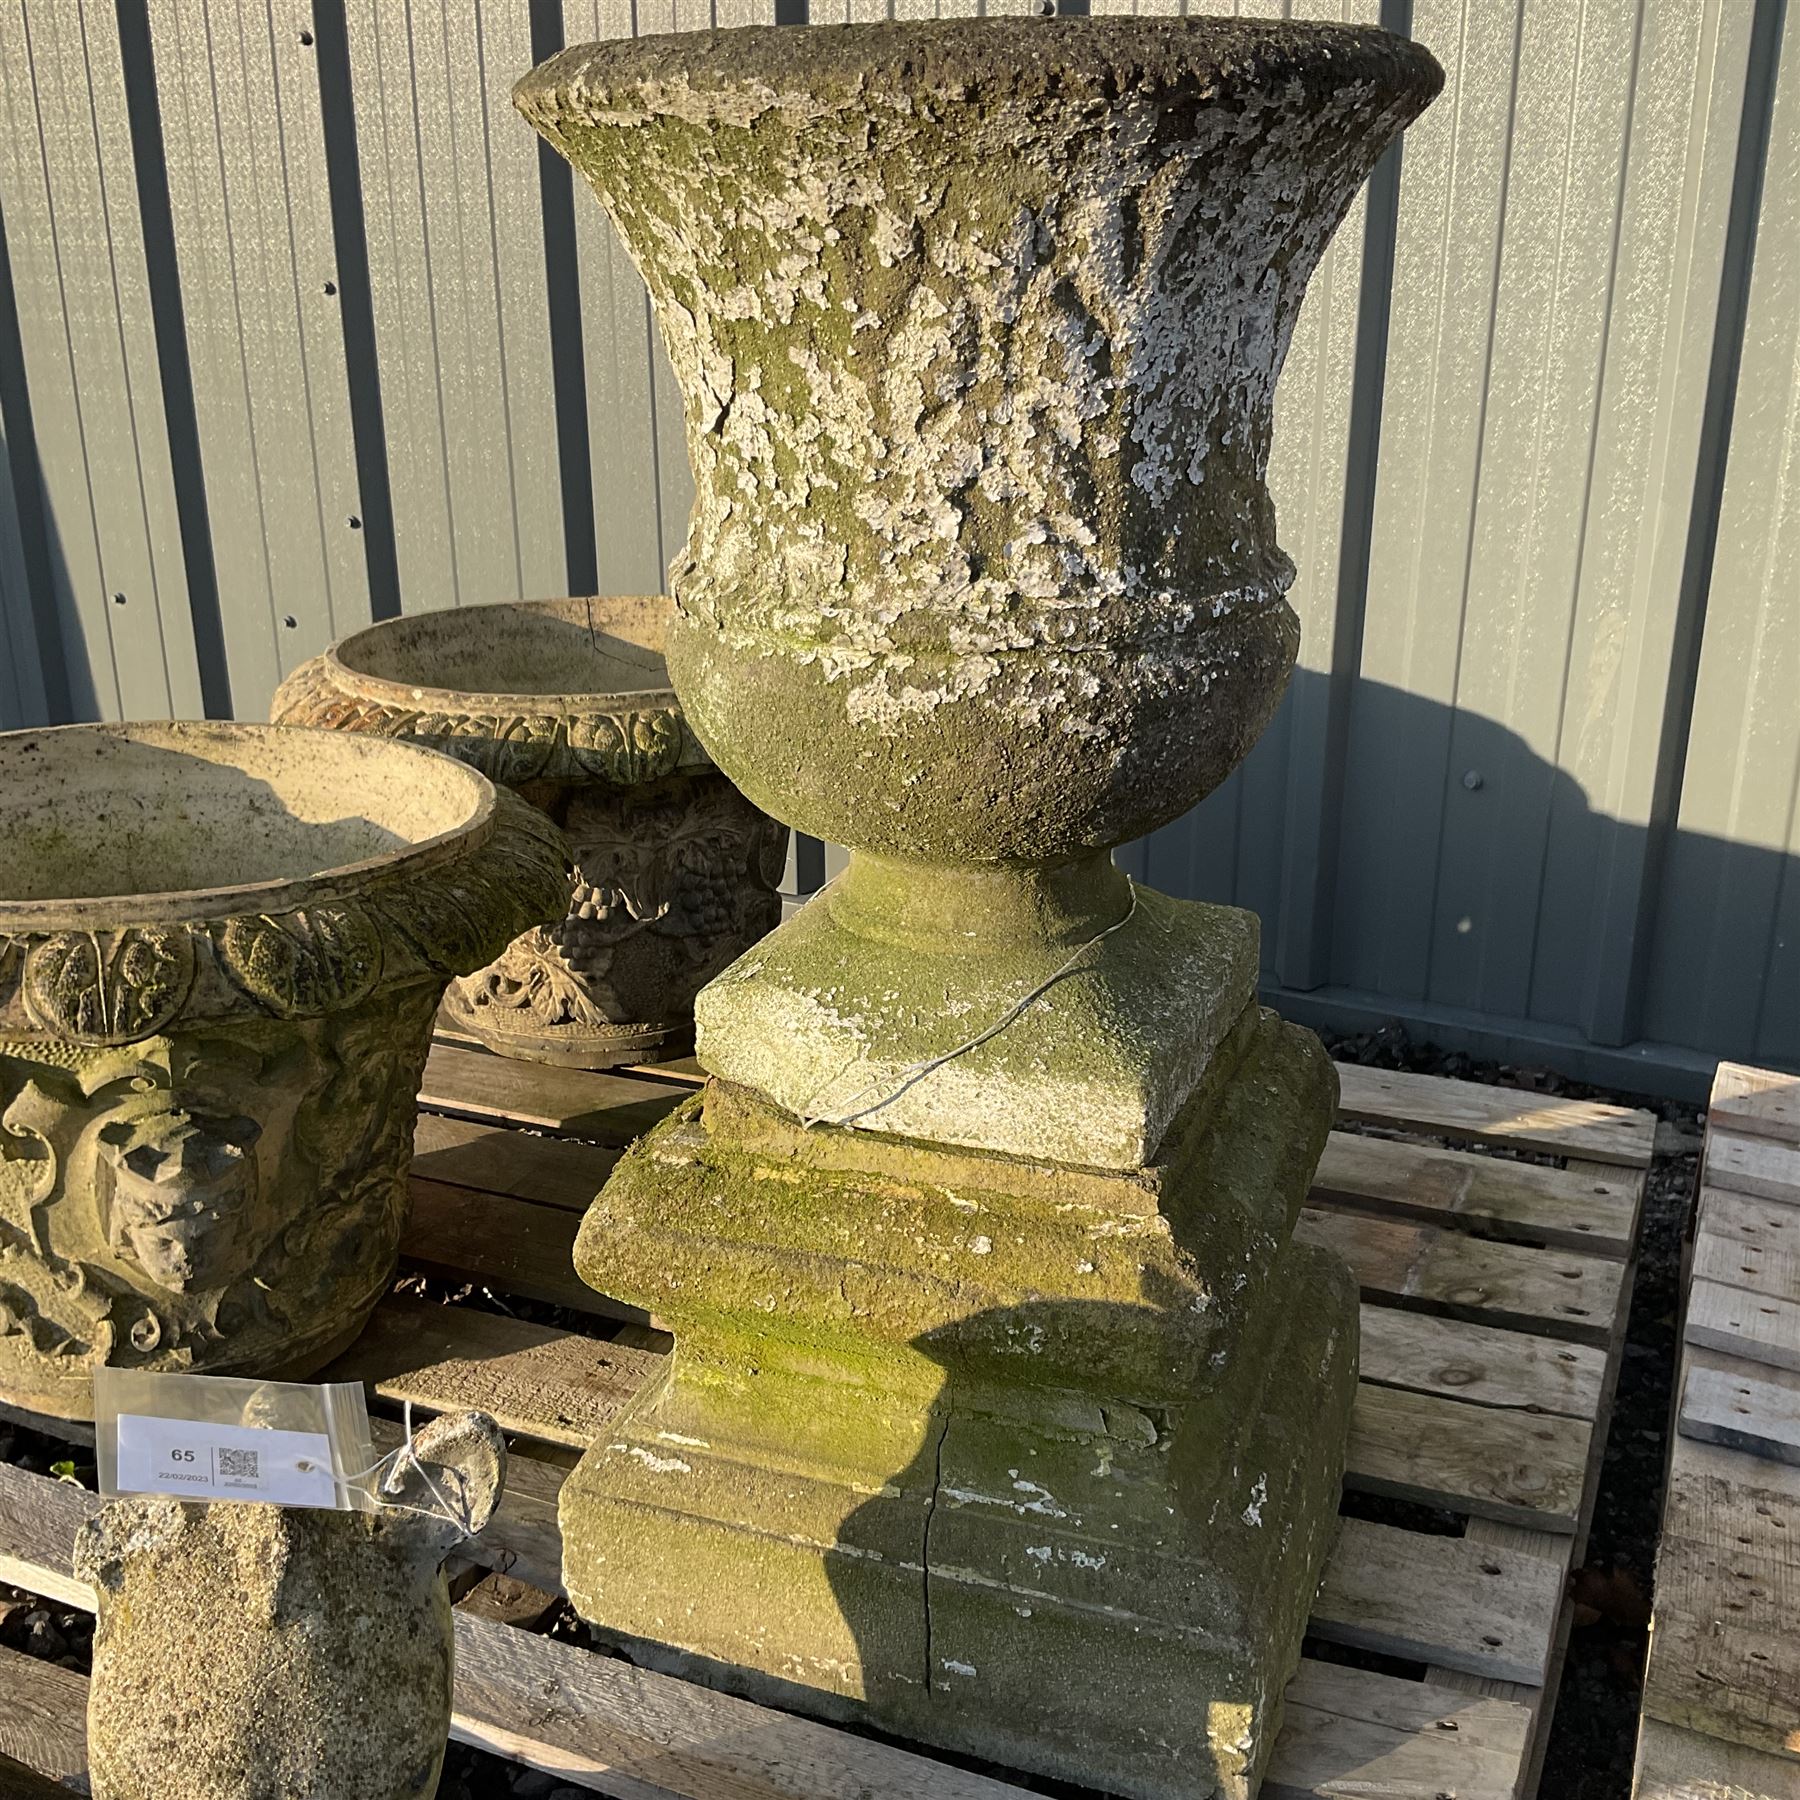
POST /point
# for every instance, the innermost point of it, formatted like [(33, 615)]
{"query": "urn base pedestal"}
[(1027, 1460), (843, 1013)]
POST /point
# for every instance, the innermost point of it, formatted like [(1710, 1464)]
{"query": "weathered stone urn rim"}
[(416, 696), (728, 76), (254, 898)]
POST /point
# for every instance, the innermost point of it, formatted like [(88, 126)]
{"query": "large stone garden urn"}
[(221, 949), (568, 703), (1005, 1410)]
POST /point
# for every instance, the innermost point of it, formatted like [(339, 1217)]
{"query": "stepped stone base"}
[(1030, 1461)]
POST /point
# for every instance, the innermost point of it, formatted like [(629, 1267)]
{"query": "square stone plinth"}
[(835, 1026), (1035, 1462)]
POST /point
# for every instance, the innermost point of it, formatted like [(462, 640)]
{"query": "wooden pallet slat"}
[(554, 1385), (1476, 1113), (1481, 1365), (1531, 1202), (1349, 1734), (1756, 1411), (1562, 1292), (606, 1108), (496, 1160), (512, 1246), (1440, 1600), (1760, 1328), (1516, 1468), (43, 1720), (1755, 1102), (1760, 1166), (1745, 1219)]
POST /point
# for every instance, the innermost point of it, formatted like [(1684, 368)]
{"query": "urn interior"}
[(106, 823), (582, 652)]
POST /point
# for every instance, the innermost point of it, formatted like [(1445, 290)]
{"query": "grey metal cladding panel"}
[(22, 696), (1452, 195), (1539, 412), (76, 243), (1551, 328), (626, 369), (454, 219), (1725, 973), (1687, 111), (244, 145)]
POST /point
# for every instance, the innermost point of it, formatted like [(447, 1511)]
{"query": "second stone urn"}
[(568, 703), (221, 949), (1006, 1410)]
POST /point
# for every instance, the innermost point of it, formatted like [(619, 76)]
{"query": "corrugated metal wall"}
[(299, 326)]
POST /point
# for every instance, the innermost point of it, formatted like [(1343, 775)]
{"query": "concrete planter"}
[(568, 702), (221, 949)]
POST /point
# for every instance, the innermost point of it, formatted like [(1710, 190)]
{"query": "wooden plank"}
[(1515, 1467), (591, 1720), (1673, 1764), (1756, 1268), (599, 1722), (1756, 1327), (1518, 1540), (550, 1171), (1480, 1364), (682, 1071), (1756, 1410), (610, 1109), (43, 1724), (1717, 1496), (1724, 1656), (1557, 1292), (512, 1246), (1769, 1224), (1755, 1102), (1476, 1113), (1747, 1165), (1528, 1202), (533, 1379), (1350, 1734), (1439, 1600)]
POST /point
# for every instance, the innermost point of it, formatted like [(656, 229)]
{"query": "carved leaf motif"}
[(109, 987), (309, 961), (627, 748), (28, 1162)]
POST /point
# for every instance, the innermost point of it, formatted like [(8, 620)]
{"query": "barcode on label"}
[(239, 1462)]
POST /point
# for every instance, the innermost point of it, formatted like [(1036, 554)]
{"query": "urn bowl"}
[(978, 324)]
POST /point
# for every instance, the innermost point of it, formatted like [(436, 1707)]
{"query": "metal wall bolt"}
[(1471, 779)]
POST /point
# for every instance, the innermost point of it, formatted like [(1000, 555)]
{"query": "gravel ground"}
[(1591, 1745)]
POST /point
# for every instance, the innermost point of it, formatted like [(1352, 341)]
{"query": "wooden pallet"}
[(1496, 1274), (1722, 1683)]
